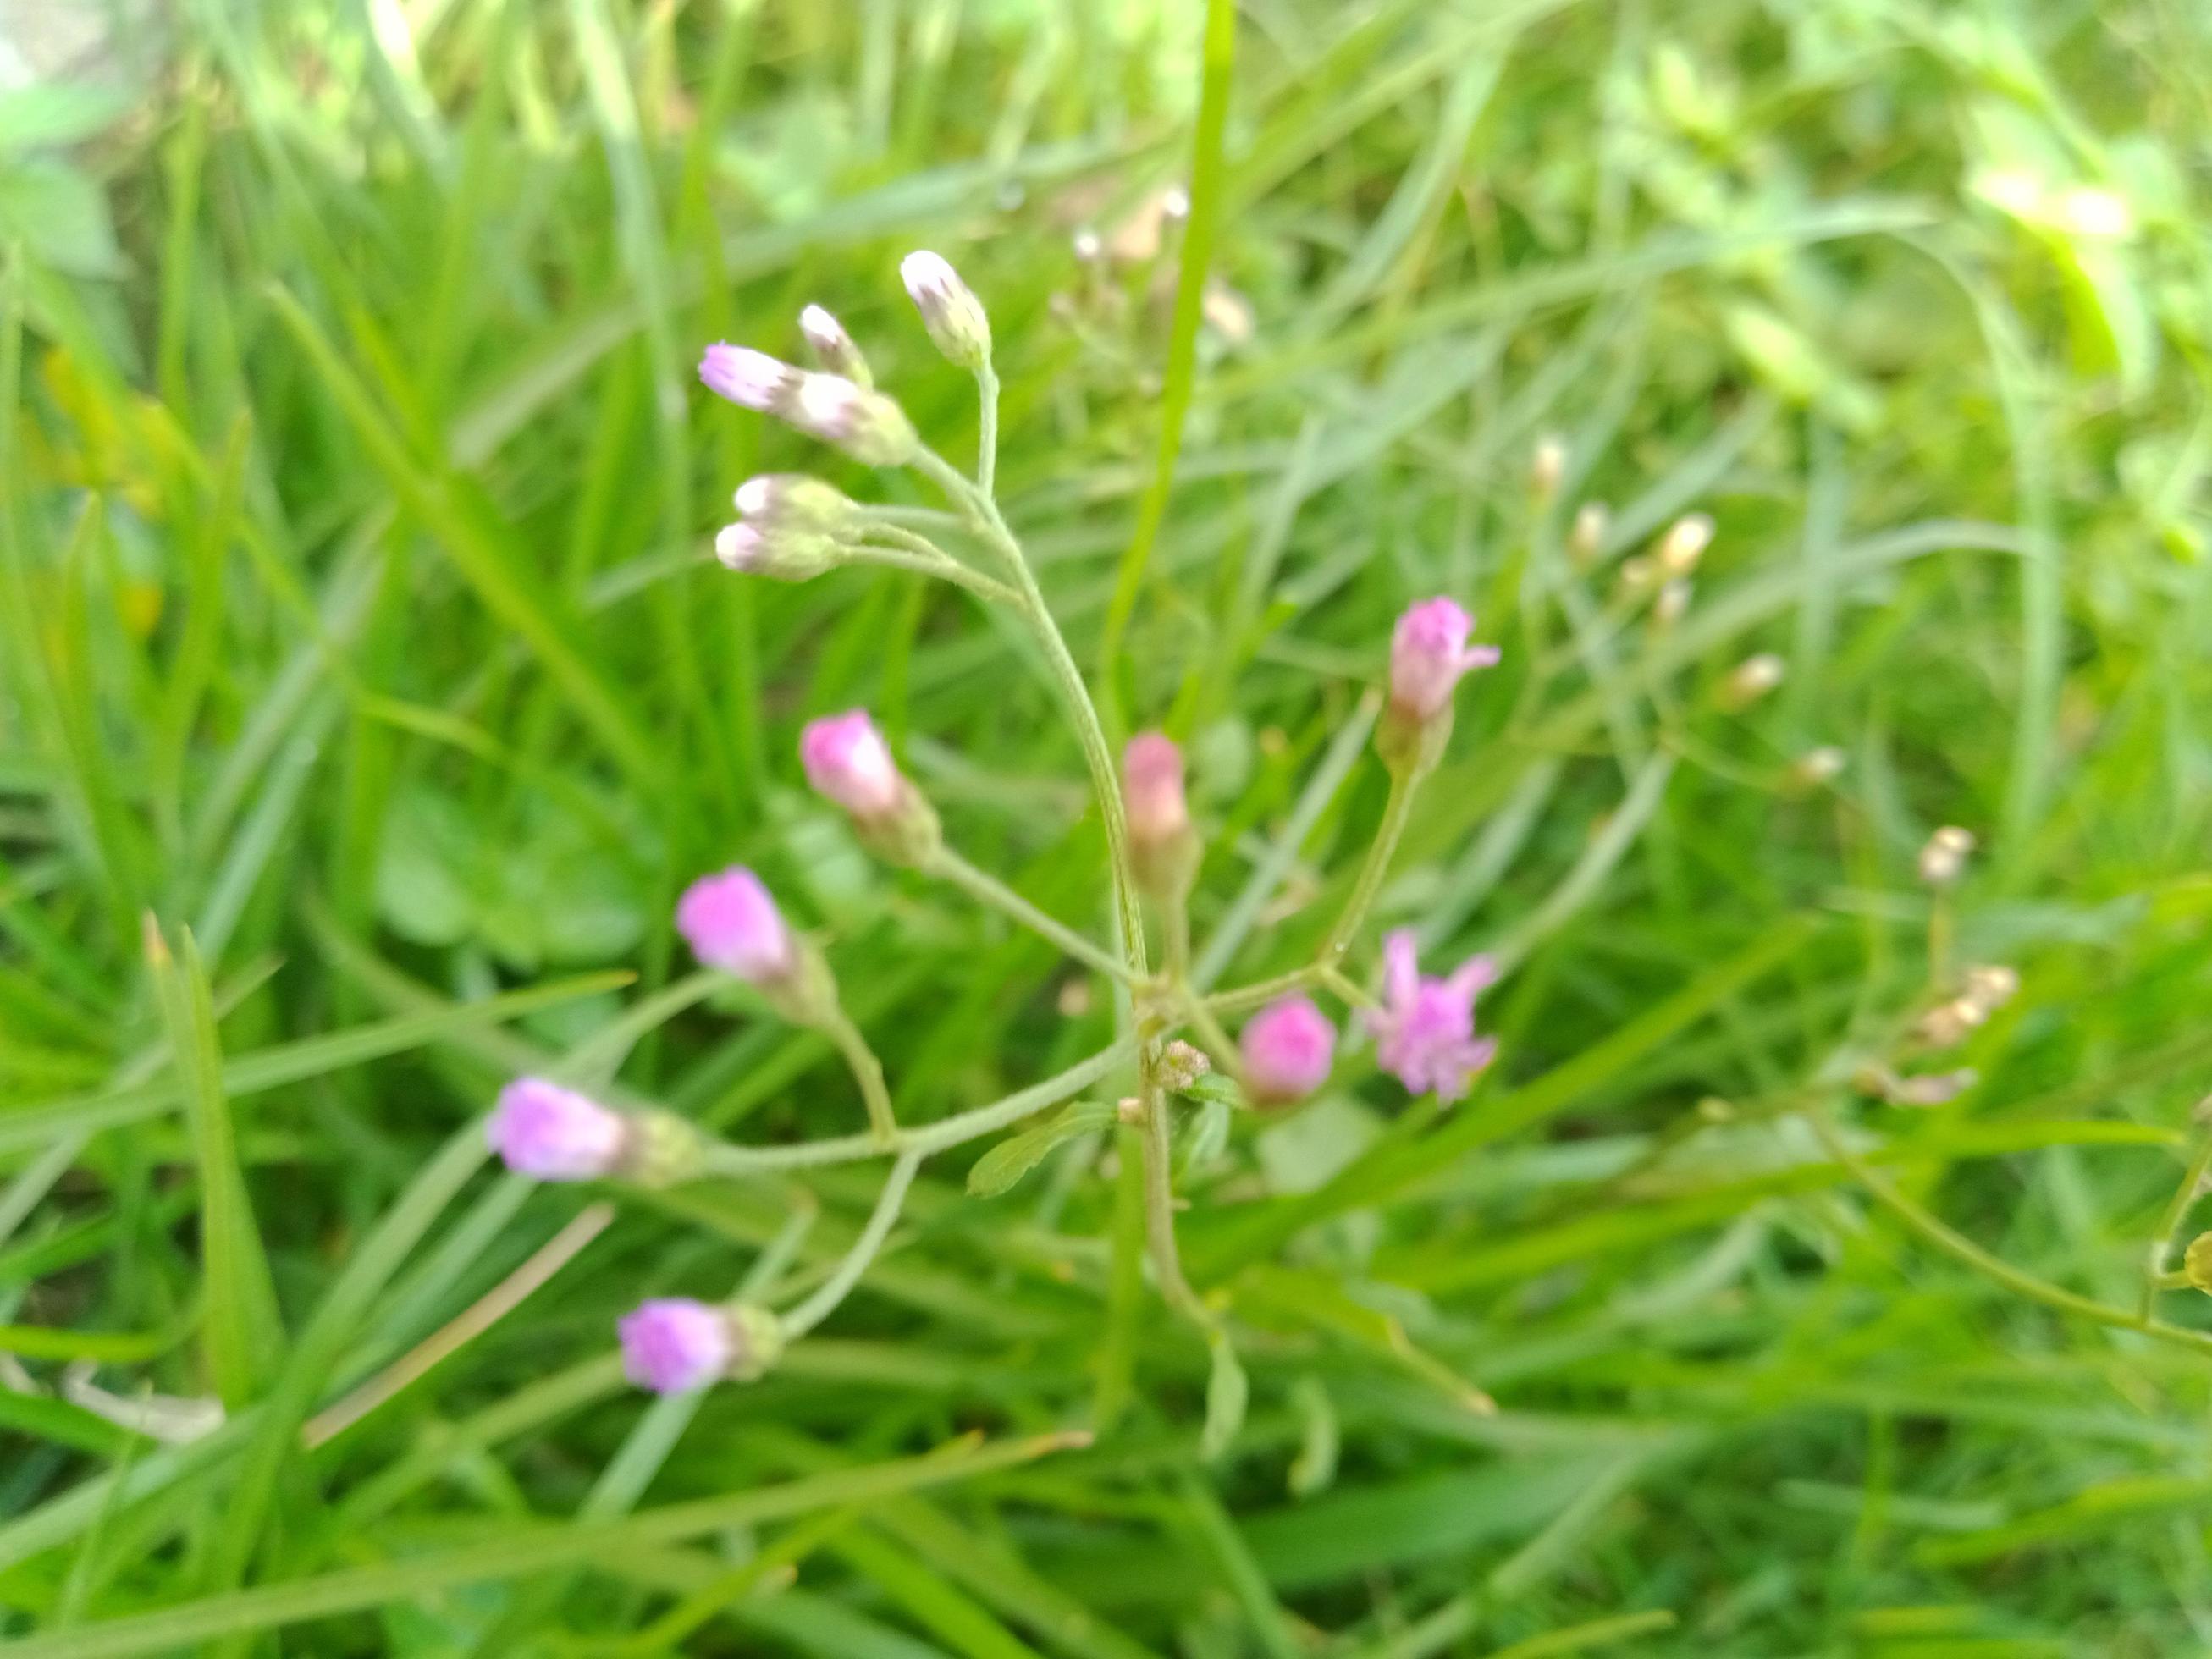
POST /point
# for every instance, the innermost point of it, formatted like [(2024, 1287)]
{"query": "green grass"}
[(355, 625)]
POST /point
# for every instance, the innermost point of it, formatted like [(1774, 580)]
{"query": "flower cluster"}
[(793, 527)]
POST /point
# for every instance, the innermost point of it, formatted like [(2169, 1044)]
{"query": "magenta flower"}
[(1151, 789), (847, 760), (752, 379), (1287, 1048), (732, 923), (552, 1133), (1428, 653), (673, 1343), (1425, 1029)]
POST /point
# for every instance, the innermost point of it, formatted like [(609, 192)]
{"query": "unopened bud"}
[(1586, 540), (1752, 679), (1088, 247), (2197, 1262), (1944, 857), (663, 1149), (1175, 204), (792, 500), (864, 423), (1287, 1048), (1548, 466), (1672, 605), (784, 555), (673, 1345), (1429, 652), (1162, 845), (846, 759), (1817, 766), (834, 353), (548, 1133), (949, 310), (751, 379), (1685, 543)]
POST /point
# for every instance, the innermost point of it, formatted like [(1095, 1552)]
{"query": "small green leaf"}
[(1213, 1088), (1013, 1157)]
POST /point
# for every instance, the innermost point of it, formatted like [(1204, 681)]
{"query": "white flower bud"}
[(833, 348), (864, 423), (1672, 605), (949, 310)]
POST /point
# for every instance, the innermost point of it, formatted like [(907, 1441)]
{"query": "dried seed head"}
[(1817, 766), (1944, 857), (1587, 536), (1752, 679), (1181, 1065), (1685, 543), (1548, 466)]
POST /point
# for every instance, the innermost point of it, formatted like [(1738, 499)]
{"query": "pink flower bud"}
[(1151, 789), (1287, 1048), (731, 923), (1425, 1029), (552, 1133), (1428, 653), (846, 759), (672, 1344), (751, 379)]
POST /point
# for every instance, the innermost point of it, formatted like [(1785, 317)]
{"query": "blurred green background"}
[(358, 618)]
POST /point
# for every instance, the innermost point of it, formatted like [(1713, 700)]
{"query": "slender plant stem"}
[(1241, 997), (1339, 983), (1159, 1214), (988, 890), (2156, 1278), (1210, 1032), (1958, 1246), (1098, 755), (1397, 811), (1175, 937), (835, 1289), (987, 454), (723, 1159), (868, 1072), (942, 566)]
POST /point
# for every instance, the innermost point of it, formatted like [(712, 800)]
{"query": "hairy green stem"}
[(835, 1289), (989, 890), (987, 454), (723, 1159), (868, 1072), (1397, 811), (1159, 1214)]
